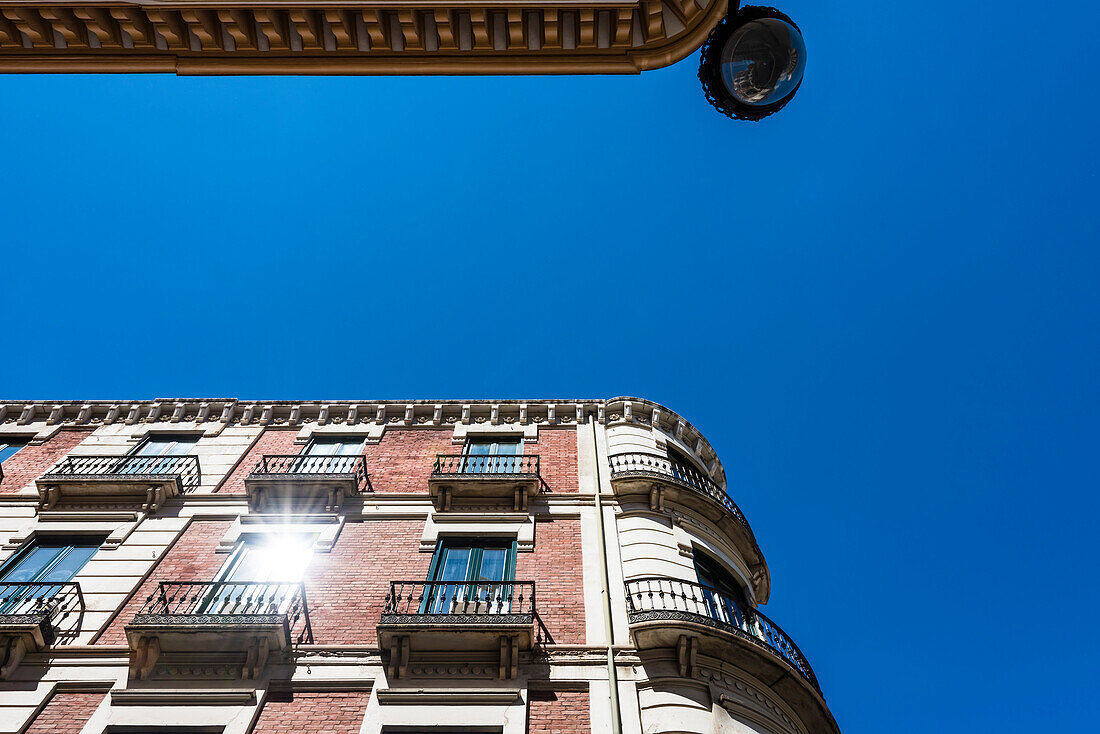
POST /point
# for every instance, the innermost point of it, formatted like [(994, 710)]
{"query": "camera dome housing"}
[(752, 63)]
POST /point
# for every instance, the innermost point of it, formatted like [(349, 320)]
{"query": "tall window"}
[(492, 455), (8, 447), (47, 561), (335, 446), (330, 446), (724, 598), (167, 445), (469, 577), (264, 570)]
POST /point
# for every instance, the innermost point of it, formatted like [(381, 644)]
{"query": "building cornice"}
[(41, 418)]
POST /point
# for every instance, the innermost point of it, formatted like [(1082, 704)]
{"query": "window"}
[(167, 445), (9, 446), (492, 455), (46, 561), (723, 595), (335, 446), (265, 566), (468, 577)]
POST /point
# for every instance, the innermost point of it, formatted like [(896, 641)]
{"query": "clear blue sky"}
[(881, 305)]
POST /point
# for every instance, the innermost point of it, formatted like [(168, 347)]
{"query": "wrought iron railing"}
[(230, 602), (639, 464), (185, 468), (664, 598), (314, 466), (457, 465), (503, 601), (51, 603)]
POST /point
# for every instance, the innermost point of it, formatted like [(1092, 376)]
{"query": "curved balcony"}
[(659, 478), (666, 612), (295, 482), (635, 465), (116, 480)]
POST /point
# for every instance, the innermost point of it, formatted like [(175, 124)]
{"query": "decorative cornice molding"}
[(40, 416), (183, 697), (447, 696)]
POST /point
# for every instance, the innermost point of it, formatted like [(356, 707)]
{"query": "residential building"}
[(428, 567)]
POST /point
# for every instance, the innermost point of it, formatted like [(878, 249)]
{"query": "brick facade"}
[(557, 450), (31, 461), (555, 568), (66, 713), (191, 558), (270, 442), (346, 588), (558, 712), (317, 713), (403, 460)]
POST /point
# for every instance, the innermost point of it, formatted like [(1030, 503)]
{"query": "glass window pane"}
[(493, 563), (33, 564), (70, 564), (167, 446), (455, 564)]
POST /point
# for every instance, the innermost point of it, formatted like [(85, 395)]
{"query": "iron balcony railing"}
[(502, 601), (313, 466), (459, 465), (185, 468), (48, 604), (229, 602), (665, 598), (639, 464)]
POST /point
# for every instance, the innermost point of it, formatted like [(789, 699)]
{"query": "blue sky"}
[(880, 305)]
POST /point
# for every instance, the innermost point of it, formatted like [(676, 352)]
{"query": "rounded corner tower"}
[(694, 577)]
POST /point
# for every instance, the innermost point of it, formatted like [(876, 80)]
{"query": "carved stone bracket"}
[(14, 648), (687, 647), (509, 657), (143, 657), (399, 656)]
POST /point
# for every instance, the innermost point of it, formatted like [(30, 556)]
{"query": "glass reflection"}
[(763, 61)]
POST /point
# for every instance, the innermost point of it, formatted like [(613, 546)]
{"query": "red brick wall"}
[(403, 459), (66, 713), (270, 442), (191, 558), (558, 712), (555, 567), (346, 588), (313, 713), (30, 462), (557, 450)]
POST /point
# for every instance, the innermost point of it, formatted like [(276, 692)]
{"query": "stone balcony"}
[(305, 482), (34, 616), (217, 627), (115, 481), (470, 478), (490, 621)]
